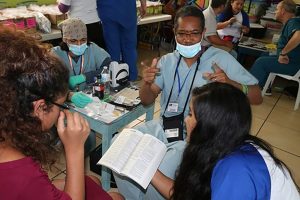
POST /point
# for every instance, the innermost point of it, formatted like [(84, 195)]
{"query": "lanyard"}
[(178, 78), (186, 101), (81, 65)]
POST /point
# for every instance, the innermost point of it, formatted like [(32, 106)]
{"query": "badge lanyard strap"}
[(178, 78), (81, 65), (198, 62)]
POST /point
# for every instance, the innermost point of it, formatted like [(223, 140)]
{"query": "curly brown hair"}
[(28, 72)]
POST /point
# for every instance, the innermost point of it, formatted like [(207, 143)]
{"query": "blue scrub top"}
[(288, 30), (167, 64)]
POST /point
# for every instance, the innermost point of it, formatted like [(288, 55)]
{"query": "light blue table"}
[(108, 129)]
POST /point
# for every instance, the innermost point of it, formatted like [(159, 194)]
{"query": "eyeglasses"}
[(62, 106), (192, 35)]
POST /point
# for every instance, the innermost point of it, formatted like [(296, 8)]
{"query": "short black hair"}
[(217, 3), (192, 11)]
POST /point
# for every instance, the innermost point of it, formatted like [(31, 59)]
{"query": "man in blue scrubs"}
[(287, 60), (119, 21)]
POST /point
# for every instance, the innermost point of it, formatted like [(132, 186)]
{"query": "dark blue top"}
[(121, 11)]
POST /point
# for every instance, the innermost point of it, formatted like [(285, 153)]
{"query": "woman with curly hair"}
[(222, 160), (34, 86)]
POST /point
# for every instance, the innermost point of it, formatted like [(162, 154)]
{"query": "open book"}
[(135, 155)]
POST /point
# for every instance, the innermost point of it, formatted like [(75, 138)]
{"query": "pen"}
[(69, 105), (120, 109)]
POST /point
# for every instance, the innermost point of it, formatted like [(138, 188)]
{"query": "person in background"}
[(119, 20), (211, 37), (87, 12), (83, 58), (34, 86), (222, 160), (233, 22), (287, 60), (84, 61), (180, 71)]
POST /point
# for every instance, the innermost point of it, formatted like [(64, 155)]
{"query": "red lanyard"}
[(81, 66)]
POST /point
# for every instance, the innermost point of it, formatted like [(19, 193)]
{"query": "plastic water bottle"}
[(105, 79)]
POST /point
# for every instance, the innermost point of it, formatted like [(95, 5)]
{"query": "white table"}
[(154, 19), (56, 34)]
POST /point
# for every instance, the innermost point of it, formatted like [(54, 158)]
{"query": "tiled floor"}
[(274, 121), (280, 127)]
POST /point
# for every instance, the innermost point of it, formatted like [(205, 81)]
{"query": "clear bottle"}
[(105, 79)]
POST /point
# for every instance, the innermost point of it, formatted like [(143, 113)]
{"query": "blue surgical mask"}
[(78, 49), (188, 51)]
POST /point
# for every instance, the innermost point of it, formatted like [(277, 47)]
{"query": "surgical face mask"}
[(78, 49), (188, 51)]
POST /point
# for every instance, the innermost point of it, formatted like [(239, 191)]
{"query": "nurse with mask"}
[(83, 58)]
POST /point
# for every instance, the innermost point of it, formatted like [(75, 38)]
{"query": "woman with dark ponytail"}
[(222, 160)]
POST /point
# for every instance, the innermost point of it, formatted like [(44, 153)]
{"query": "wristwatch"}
[(283, 54)]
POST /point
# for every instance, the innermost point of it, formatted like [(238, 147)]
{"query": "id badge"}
[(171, 133), (172, 107)]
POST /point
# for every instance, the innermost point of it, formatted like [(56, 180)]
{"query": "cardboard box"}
[(15, 3), (153, 8), (20, 23), (56, 19), (28, 24), (7, 22)]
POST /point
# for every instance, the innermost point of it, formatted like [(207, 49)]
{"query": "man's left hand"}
[(219, 76)]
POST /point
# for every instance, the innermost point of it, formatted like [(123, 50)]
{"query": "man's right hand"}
[(149, 90), (150, 72)]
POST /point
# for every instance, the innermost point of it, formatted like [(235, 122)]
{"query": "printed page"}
[(118, 153), (145, 160)]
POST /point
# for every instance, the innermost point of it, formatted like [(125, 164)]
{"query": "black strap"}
[(172, 85), (198, 62), (119, 72)]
